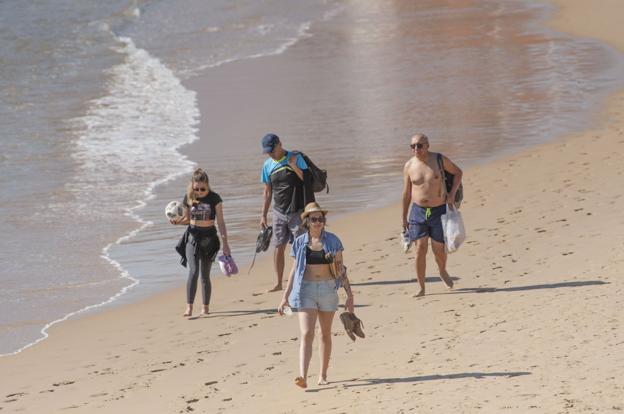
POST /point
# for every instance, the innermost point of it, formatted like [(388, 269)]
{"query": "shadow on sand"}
[(428, 279), (456, 291), (476, 375), (579, 283), (272, 311)]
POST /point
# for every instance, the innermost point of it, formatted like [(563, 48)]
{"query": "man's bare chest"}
[(424, 175)]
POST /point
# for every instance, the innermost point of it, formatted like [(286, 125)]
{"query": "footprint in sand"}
[(58, 384), (15, 394)]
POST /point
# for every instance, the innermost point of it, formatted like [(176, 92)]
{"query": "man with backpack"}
[(424, 187), (288, 184)]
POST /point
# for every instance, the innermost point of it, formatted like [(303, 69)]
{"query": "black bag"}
[(319, 176), (448, 180)]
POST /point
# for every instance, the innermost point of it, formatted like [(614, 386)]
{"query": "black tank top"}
[(315, 256)]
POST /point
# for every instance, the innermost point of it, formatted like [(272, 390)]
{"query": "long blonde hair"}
[(199, 176)]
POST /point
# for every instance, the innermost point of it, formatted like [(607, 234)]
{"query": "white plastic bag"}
[(454, 231)]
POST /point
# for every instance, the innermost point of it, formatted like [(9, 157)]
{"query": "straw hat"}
[(312, 208)]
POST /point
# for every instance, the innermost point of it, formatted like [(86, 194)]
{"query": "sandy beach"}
[(534, 323)]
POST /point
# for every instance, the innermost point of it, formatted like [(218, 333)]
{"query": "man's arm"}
[(407, 193), (456, 171), (267, 194), (292, 162)]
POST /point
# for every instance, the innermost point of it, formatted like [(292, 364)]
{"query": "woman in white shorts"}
[(313, 289)]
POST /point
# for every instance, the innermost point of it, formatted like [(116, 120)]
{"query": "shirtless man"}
[(423, 187)]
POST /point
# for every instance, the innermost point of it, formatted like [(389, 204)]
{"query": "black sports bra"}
[(315, 256)]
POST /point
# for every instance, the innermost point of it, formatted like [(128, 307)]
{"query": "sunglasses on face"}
[(317, 219), (419, 146), (200, 190)]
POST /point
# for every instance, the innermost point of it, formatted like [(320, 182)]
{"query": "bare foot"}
[(322, 381), (189, 311), (301, 382), (205, 311), (420, 294), (447, 280), (275, 288)]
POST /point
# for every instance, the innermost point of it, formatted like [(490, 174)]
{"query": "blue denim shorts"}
[(321, 295), (426, 221)]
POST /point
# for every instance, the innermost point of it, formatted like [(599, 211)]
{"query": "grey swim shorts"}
[(286, 227)]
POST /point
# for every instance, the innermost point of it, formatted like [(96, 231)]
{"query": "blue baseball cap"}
[(268, 142)]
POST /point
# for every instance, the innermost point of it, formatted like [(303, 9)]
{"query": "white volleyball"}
[(174, 210)]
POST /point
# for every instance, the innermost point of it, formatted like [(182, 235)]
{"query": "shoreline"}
[(558, 22), (356, 233), (187, 153)]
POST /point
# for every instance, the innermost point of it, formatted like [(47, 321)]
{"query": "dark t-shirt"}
[(286, 185), (204, 208)]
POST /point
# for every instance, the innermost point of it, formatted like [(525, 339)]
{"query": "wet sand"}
[(534, 323)]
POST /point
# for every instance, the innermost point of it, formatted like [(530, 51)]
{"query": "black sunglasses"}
[(317, 219), (419, 146), (200, 190)]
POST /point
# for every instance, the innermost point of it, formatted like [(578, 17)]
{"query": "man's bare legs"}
[(307, 322), (440, 256), (421, 262), (278, 265), (325, 346)]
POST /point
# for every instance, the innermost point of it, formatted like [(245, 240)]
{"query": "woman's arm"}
[(185, 219), (289, 287), (222, 229), (344, 279)]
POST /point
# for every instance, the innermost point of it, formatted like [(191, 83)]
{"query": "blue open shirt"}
[(331, 244)]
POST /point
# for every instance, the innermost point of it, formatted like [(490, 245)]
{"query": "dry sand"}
[(533, 325)]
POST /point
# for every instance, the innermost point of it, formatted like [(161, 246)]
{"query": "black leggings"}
[(201, 249)]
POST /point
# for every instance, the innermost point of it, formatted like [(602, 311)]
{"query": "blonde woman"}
[(313, 289), (202, 208)]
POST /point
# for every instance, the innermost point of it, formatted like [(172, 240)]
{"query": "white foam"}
[(130, 138), (128, 146), (132, 134), (302, 32)]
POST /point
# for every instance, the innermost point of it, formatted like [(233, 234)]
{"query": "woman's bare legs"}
[(325, 345), (307, 322)]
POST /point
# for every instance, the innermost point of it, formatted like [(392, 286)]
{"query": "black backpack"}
[(319, 176), (448, 180)]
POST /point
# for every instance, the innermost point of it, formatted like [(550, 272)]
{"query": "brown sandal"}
[(345, 318), (357, 326)]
